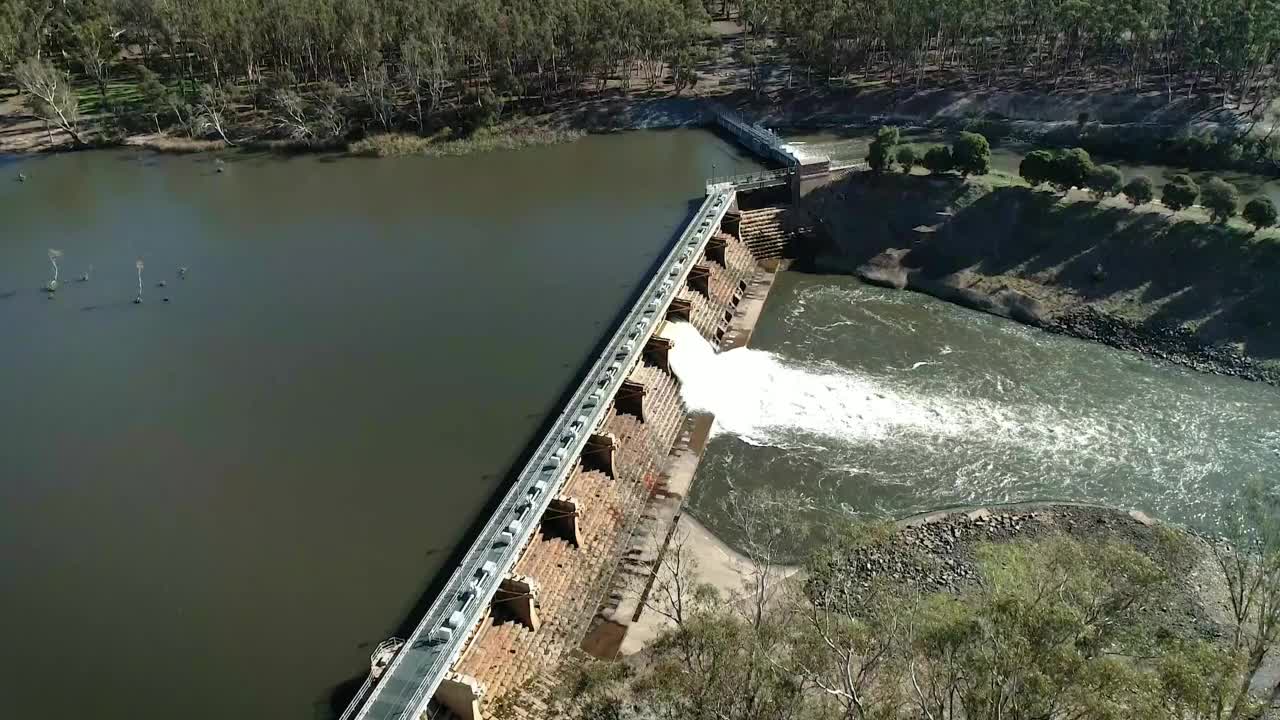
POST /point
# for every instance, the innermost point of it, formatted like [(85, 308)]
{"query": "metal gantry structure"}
[(406, 686), (760, 139)]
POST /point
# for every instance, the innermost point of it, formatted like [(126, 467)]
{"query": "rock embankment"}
[(1063, 314), (938, 552), (1173, 344)]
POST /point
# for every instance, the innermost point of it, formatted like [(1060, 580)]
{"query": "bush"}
[(1071, 168), (938, 159), (1037, 167), (1221, 199), (1203, 151), (1260, 212), (907, 157), (479, 110), (1105, 180), (1140, 191), (1180, 192), (971, 154), (880, 154)]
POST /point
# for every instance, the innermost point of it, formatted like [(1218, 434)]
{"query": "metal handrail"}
[(752, 177), (444, 630)]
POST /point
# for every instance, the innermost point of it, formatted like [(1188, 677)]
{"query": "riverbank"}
[(1028, 115), (1167, 285)]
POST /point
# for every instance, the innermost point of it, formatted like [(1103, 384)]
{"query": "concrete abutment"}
[(461, 695), (518, 595), (599, 453), (630, 399), (561, 520)]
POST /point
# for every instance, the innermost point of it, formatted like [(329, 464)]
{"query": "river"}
[(877, 403), (215, 507)]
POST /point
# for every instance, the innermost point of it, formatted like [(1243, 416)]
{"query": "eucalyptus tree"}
[(50, 96)]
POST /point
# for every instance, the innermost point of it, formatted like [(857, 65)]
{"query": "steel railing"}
[(762, 176), (409, 682)]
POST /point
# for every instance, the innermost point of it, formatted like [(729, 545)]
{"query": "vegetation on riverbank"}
[(274, 70), (506, 136), (1049, 612)]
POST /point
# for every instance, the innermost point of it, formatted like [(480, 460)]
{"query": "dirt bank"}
[(1170, 286)]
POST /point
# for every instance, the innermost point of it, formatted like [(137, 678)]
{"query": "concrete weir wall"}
[(533, 582), (559, 550), (614, 487)]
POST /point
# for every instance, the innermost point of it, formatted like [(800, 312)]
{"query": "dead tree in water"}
[(138, 264), (53, 260)]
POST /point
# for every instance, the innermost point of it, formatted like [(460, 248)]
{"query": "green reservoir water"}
[(878, 403), (215, 507)]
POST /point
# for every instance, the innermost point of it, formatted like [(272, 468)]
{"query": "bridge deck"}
[(407, 685)]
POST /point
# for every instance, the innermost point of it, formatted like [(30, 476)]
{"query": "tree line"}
[(316, 68), (1074, 168), (1185, 45), (1068, 168), (314, 64)]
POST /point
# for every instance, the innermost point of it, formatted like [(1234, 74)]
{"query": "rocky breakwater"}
[(1173, 344), (939, 551)]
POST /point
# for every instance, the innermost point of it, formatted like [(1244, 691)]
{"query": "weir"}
[(536, 570), (412, 679)]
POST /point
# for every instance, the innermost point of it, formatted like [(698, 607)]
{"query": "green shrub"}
[(1071, 168), (1221, 199), (938, 159), (880, 154), (907, 157), (1037, 167), (1260, 212), (1180, 192), (971, 154), (1105, 180), (1140, 191)]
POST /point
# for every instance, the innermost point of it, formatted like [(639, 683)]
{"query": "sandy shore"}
[(712, 562)]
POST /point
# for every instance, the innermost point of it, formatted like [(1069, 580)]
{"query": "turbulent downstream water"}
[(881, 403), (214, 508)]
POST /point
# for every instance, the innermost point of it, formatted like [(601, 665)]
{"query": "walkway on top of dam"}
[(415, 675), (418, 669)]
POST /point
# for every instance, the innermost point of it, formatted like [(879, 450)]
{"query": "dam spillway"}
[(534, 574), (527, 585)]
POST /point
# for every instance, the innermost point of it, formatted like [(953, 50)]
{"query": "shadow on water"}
[(345, 691)]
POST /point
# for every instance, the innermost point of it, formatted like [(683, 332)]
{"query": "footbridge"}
[(420, 671), (803, 170)]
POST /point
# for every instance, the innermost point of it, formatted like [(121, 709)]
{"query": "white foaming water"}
[(762, 399), (888, 403)]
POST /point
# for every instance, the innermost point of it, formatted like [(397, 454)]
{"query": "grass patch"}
[(505, 136), (119, 93)]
